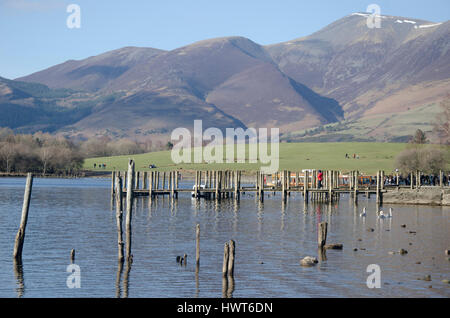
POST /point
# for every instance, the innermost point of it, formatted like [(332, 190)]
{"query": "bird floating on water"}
[(382, 215), (363, 213), (182, 259)]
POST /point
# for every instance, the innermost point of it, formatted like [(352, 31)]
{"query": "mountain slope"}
[(360, 67), (93, 73), (343, 71), (202, 73)]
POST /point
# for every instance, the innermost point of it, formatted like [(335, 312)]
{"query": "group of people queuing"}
[(425, 179), (429, 180)]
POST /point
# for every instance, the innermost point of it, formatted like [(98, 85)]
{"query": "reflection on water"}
[(271, 238)]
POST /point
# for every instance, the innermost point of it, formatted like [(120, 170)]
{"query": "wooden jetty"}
[(217, 184)]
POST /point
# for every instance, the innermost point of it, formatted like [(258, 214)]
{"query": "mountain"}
[(346, 76), (203, 74), (29, 107), (95, 72), (373, 73)]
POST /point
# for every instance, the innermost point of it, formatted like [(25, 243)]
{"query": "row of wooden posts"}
[(217, 184), (130, 184), (225, 184)]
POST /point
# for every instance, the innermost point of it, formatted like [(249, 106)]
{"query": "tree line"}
[(52, 154)]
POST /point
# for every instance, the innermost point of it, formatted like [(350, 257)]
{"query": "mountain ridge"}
[(343, 71)]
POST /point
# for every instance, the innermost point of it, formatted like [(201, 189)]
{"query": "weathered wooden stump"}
[(20, 236)]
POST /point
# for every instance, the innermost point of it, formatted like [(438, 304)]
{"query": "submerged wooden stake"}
[(322, 235), (129, 206), (20, 237), (231, 253), (197, 244), (119, 217), (225, 259)]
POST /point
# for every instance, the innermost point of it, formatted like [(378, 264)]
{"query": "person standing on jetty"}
[(320, 178)]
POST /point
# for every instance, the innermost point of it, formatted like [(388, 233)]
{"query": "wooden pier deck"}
[(228, 184)]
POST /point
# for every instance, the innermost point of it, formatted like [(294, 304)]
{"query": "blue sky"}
[(34, 35)]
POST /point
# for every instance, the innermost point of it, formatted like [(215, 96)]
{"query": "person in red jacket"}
[(320, 178)]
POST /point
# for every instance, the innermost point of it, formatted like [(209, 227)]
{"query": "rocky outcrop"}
[(424, 196)]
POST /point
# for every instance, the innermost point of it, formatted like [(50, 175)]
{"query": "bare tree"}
[(7, 154), (419, 138), (46, 155), (428, 159)]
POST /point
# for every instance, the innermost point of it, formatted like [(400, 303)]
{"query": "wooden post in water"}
[(119, 217), (129, 206), (261, 186), (378, 187), (225, 260), (176, 184), (150, 184), (236, 184), (305, 186), (136, 176), (239, 183), (197, 244), (113, 178), (172, 184), (231, 254), (216, 184), (322, 234), (144, 180), (20, 236), (355, 194), (330, 189)]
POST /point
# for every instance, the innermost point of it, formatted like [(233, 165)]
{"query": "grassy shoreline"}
[(293, 156)]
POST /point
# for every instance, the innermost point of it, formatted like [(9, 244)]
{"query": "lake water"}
[(271, 238)]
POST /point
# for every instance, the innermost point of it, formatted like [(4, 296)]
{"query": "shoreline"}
[(81, 174)]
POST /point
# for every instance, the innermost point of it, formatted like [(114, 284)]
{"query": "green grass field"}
[(293, 156)]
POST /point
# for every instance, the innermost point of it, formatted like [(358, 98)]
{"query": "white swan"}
[(363, 214), (381, 215)]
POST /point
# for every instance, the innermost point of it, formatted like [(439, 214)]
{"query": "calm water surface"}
[(270, 238)]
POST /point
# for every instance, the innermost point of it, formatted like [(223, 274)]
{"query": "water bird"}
[(363, 213), (381, 214), (182, 259)]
